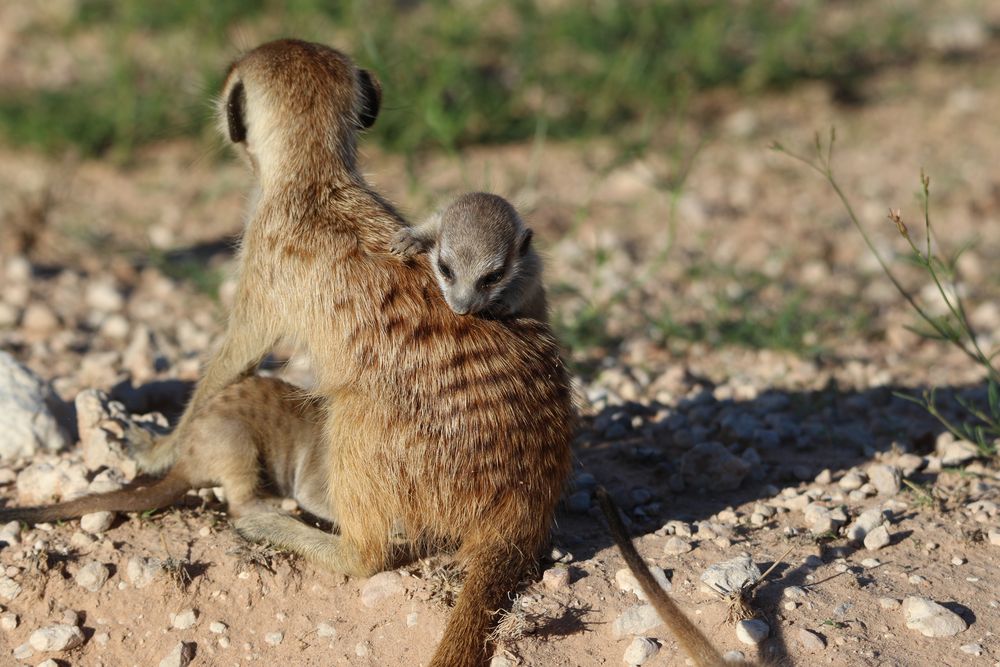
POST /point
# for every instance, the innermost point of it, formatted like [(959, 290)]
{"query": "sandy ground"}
[(799, 423)]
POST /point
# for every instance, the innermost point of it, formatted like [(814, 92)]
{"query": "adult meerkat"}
[(482, 256), (255, 434), (459, 427)]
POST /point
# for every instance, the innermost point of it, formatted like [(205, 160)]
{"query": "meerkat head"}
[(297, 107), (478, 251)]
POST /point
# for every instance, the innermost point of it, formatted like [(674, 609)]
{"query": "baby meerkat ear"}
[(234, 113), (526, 242), (371, 98)]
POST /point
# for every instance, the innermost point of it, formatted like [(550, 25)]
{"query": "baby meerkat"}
[(258, 433), (482, 256)]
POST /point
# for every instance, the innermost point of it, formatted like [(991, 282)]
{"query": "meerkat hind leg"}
[(281, 530)]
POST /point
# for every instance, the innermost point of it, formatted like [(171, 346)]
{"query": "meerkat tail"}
[(491, 573), (690, 637), (133, 498)]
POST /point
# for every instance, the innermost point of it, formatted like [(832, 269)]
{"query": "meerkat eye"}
[(445, 271), (491, 279)]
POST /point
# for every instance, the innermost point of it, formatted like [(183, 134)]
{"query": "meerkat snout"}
[(482, 257)]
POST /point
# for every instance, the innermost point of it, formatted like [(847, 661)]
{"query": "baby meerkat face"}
[(470, 282), (478, 252)]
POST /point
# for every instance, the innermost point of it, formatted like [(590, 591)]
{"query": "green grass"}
[(479, 72)]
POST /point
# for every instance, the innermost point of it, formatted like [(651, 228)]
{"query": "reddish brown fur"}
[(458, 426)]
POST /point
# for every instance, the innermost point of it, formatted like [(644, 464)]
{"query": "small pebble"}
[(92, 576), (8, 621), (877, 538), (752, 631), (556, 578), (184, 619), (274, 638), (325, 630), (180, 656), (676, 546), (930, 618), (60, 637), (810, 641), (972, 649), (381, 586), (217, 627), (640, 650), (96, 522)]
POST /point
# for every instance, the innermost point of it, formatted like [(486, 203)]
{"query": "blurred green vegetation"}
[(454, 74)]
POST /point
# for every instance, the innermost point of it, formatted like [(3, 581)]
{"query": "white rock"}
[(9, 589), (180, 656), (556, 578), (676, 546), (822, 519), (70, 617), (500, 661), (102, 638), (731, 575), (994, 536), (48, 663), (640, 650), (96, 522), (735, 657), (888, 603), (931, 619), (877, 539), (971, 649), (274, 638), (752, 631), (40, 484), (958, 452), (27, 404), (217, 627), (103, 297), (627, 582), (852, 479), (8, 621), (866, 522), (810, 641), (100, 424), (636, 620), (184, 620), (886, 478), (141, 571), (380, 587), (60, 637), (325, 630), (92, 576), (23, 652)]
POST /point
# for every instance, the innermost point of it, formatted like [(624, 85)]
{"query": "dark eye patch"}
[(445, 271), (491, 279)]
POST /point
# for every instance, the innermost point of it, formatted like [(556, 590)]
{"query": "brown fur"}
[(457, 426), (691, 639), (256, 433)]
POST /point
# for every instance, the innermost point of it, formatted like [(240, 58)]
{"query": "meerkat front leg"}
[(249, 337), (410, 241)]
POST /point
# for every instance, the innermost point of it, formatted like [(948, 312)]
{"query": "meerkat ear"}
[(371, 98), (234, 113), (526, 242)]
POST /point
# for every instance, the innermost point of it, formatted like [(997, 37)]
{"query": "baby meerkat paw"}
[(406, 243)]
